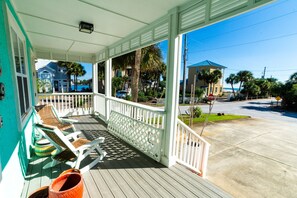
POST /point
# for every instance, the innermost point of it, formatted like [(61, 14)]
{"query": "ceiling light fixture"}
[(86, 27)]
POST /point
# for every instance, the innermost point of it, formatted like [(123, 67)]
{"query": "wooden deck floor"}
[(125, 172)]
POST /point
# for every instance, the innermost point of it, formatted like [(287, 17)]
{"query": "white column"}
[(108, 86), (95, 85), (172, 88)]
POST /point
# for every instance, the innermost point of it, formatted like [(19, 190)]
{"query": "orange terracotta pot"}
[(67, 185), (40, 193), (71, 170)]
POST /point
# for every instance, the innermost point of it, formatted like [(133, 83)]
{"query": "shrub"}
[(142, 97), (197, 112), (128, 97)]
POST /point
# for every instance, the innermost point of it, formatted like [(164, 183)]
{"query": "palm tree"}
[(205, 76), (244, 76), (293, 77), (251, 88), (145, 59), (74, 69), (78, 70), (101, 77), (69, 69), (232, 80), (135, 75), (215, 76), (210, 78)]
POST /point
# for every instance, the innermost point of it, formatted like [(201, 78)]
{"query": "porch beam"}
[(172, 87), (95, 84), (108, 85)]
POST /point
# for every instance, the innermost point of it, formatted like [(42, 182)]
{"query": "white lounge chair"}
[(47, 114), (71, 153)]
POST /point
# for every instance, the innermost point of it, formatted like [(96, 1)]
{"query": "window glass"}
[(22, 56), (16, 51), (21, 74), (21, 95), (26, 92)]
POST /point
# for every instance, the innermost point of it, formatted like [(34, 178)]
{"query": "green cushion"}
[(44, 150)]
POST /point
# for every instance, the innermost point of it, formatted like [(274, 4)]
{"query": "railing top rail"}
[(99, 94), (192, 131), (149, 108), (69, 93)]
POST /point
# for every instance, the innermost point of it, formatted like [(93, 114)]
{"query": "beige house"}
[(205, 65)]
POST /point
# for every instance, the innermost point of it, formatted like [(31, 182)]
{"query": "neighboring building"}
[(124, 72), (54, 78), (205, 65)]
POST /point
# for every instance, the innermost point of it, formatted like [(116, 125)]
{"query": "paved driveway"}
[(256, 157)]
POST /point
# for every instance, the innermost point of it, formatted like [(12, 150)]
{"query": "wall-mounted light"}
[(86, 27)]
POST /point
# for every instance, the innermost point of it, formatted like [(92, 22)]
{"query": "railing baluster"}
[(190, 149)]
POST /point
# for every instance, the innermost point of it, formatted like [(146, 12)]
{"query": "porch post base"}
[(168, 162)]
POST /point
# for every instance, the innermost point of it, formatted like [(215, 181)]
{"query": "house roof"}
[(207, 63), (55, 68)]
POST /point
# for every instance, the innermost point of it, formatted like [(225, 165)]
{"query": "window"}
[(18, 47), (45, 75), (118, 73)]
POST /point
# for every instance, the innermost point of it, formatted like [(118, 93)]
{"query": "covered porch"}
[(159, 143), (125, 172)]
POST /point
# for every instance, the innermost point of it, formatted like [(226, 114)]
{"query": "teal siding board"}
[(9, 135)]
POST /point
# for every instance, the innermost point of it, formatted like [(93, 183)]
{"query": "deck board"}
[(90, 186), (124, 172)]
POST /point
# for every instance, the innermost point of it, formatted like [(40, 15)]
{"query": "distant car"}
[(121, 94)]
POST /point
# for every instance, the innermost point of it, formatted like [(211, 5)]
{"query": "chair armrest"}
[(68, 120), (73, 135), (91, 144)]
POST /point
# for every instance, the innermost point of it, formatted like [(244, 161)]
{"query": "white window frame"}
[(20, 36)]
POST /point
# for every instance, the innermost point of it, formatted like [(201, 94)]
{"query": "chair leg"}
[(51, 164), (101, 154)]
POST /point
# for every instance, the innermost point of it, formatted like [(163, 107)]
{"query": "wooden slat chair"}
[(48, 115), (71, 153)]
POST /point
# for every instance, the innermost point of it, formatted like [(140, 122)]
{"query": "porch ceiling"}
[(53, 25)]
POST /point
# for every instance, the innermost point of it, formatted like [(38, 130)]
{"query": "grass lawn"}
[(212, 118)]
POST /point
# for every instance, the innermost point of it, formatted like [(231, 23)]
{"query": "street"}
[(255, 108)]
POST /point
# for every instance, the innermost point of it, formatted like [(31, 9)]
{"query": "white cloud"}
[(42, 62)]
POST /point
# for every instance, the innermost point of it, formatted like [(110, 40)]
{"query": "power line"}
[(260, 10), (279, 70), (245, 27), (247, 43), (282, 70)]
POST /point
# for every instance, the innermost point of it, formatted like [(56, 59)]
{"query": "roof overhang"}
[(119, 26)]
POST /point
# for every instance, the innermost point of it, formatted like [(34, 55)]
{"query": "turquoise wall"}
[(9, 135), (14, 141)]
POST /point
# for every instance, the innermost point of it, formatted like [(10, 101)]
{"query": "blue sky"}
[(264, 37)]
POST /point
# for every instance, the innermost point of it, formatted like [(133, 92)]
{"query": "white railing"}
[(139, 125), (149, 115), (68, 104), (190, 149), (99, 105)]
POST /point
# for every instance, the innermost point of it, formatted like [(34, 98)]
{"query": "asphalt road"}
[(260, 108)]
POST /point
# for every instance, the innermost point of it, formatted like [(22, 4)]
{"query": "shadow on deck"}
[(124, 172)]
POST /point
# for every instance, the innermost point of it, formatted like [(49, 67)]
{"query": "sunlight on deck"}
[(124, 172)]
